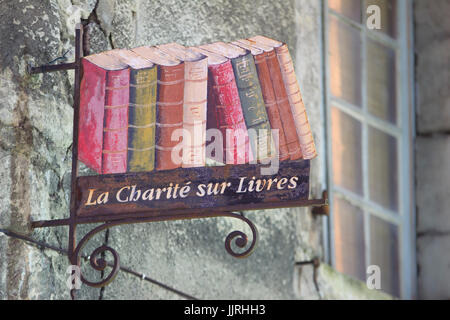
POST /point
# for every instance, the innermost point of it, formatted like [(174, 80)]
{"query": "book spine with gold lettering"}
[(142, 119)]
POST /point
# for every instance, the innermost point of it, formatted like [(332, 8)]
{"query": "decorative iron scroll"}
[(237, 243), (239, 238)]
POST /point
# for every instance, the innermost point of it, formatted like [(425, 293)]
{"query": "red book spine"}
[(169, 115), (228, 114), (115, 131), (92, 102)]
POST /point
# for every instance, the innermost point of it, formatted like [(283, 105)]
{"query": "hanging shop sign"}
[(173, 133)]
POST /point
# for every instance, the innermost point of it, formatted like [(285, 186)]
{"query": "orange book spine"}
[(292, 139), (271, 104)]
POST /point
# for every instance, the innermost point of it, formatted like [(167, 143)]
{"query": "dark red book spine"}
[(92, 111), (228, 114), (115, 130)]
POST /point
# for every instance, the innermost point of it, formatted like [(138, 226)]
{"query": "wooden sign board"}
[(230, 188)]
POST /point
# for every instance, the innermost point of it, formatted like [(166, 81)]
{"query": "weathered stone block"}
[(431, 21), (86, 6), (432, 43), (433, 266), (105, 14), (98, 41), (433, 176), (27, 272), (433, 96), (197, 22)]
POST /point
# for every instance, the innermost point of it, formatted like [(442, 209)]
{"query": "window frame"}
[(403, 131)]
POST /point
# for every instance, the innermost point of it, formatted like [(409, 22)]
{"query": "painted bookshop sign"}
[(193, 188), (184, 133), (150, 117)]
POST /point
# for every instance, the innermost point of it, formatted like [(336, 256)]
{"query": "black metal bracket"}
[(237, 238), (315, 262)]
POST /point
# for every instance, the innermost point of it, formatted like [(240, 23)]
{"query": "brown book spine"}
[(284, 108), (296, 102), (169, 115), (271, 104)]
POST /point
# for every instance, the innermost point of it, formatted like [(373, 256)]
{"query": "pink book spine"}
[(115, 130), (229, 115), (92, 110)]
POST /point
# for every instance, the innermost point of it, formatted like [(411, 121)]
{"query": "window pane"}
[(381, 84), (349, 8), (384, 253), (345, 61), (383, 169), (349, 238), (346, 150), (388, 15)]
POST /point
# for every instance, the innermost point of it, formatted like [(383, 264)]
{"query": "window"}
[(369, 140)]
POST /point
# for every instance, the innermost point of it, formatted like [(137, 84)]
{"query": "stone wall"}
[(35, 153), (433, 147)]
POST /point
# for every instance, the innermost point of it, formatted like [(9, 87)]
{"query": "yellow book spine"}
[(141, 120)]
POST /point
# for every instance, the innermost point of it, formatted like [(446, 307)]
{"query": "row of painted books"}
[(158, 108)]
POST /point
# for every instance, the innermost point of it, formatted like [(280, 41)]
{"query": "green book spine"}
[(141, 119), (253, 107)]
